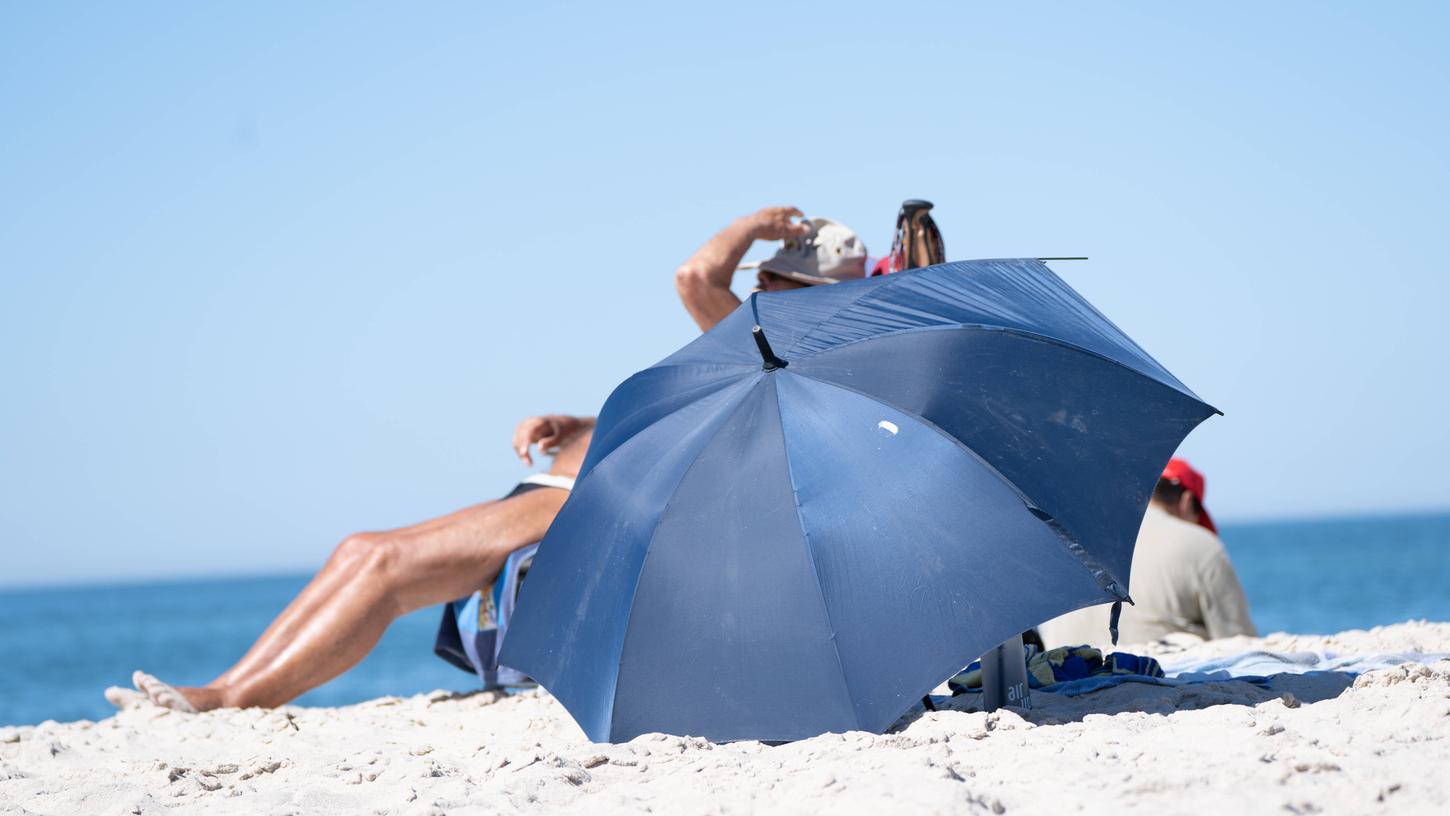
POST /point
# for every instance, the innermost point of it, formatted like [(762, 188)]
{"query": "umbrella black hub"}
[(772, 362)]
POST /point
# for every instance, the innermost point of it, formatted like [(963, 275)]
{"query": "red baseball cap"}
[(1181, 473)]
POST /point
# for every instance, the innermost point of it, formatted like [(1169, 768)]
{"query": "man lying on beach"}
[(1182, 580), (373, 578)]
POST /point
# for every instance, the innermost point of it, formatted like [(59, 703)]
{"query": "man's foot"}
[(124, 698), (162, 694)]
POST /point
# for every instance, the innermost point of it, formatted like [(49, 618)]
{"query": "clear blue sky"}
[(273, 273)]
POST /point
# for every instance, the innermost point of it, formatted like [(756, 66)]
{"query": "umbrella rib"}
[(811, 557), (634, 590), (1105, 579), (887, 283), (1030, 335), (891, 280), (697, 364)]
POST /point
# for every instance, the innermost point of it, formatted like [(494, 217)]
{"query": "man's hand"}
[(548, 432), (775, 224)]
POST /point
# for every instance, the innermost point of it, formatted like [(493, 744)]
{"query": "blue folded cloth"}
[(1077, 670), (1270, 663)]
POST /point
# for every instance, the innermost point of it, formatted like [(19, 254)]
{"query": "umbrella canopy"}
[(813, 514)]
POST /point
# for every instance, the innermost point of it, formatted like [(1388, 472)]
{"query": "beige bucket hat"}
[(830, 253)]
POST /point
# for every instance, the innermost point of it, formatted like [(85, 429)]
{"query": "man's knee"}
[(374, 552)]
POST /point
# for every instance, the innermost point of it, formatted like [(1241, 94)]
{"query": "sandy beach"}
[(1380, 743)]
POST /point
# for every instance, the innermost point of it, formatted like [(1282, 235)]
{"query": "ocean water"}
[(59, 647), (1330, 575)]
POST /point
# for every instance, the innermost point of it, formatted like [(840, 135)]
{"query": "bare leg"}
[(342, 568), (373, 578), (513, 527), (285, 627)]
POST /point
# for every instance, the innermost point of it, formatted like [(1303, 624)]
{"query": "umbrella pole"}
[(1004, 676)]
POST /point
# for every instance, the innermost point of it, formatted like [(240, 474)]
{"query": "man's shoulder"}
[(1167, 530)]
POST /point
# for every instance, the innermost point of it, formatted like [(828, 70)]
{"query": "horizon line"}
[(292, 572)]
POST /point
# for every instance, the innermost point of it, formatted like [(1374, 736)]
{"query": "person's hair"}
[(1170, 492)]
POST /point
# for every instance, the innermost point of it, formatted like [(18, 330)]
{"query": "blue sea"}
[(60, 646)]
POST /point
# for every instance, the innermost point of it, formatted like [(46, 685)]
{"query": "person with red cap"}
[(1182, 580)]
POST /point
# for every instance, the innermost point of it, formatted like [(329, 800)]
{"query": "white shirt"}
[(1182, 581)]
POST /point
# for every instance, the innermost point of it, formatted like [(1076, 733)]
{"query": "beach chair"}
[(472, 630)]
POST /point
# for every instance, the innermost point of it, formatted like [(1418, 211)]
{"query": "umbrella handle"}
[(772, 362)]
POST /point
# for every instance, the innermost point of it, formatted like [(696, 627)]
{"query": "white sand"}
[(1380, 745)]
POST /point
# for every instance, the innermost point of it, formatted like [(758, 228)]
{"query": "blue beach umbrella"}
[(810, 516)]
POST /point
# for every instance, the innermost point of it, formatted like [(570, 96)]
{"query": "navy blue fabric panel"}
[(728, 637), (1084, 438), (1017, 293), (448, 643), (569, 626), (926, 559), (653, 394), (1021, 294)]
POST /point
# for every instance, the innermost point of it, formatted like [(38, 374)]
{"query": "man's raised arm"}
[(704, 280)]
